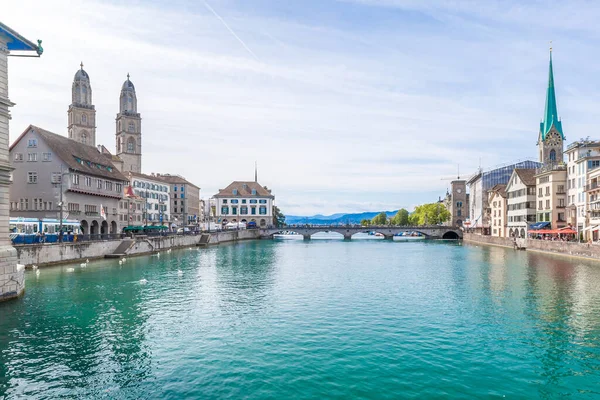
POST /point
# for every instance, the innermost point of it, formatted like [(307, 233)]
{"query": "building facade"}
[(156, 209), (521, 202), (583, 157), (245, 202), (498, 207), (185, 200), (53, 173), (131, 209), (457, 202), (12, 278), (481, 183)]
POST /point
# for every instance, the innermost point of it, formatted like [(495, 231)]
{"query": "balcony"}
[(559, 166), (591, 186), (561, 206)]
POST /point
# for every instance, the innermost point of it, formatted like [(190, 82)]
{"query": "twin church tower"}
[(82, 121)]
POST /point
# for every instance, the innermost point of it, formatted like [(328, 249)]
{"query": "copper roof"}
[(244, 189)]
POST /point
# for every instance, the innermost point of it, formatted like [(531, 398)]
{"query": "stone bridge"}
[(430, 232)]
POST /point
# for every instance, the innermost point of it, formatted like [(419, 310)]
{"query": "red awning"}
[(564, 231)]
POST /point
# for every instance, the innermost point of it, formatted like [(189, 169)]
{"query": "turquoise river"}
[(325, 319)]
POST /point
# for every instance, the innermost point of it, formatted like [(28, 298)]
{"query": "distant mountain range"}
[(334, 219)]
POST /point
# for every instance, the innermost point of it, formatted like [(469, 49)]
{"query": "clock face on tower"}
[(459, 191), (553, 139)]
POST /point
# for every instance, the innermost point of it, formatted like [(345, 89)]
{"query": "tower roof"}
[(81, 75), (128, 85), (551, 112)]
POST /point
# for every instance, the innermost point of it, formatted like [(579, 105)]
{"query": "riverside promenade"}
[(59, 253), (566, 249)]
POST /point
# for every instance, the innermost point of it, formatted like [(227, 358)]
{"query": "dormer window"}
[(253, 192), (235, 192)]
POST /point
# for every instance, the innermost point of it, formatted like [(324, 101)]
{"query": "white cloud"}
[(378, 113)]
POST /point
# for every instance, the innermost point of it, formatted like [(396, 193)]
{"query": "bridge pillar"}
[(347, 236), (389, 237), (306, 237)]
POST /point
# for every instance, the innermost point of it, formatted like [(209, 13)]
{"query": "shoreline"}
[(470, 240)]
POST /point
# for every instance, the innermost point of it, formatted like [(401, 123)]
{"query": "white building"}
[(245, 202), (521, 198), (582, 158), (156, 193)]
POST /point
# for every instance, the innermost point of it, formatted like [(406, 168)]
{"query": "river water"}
[(308, 320)]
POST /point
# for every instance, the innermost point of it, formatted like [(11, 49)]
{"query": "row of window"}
[(262, 210), (33, 157), (235, 192), (521, 206), (150, 186), (262, 201), (545, 217), (521, 192), (156, 196), (521, 218), (37, 205), (100, 184), (123, 218)]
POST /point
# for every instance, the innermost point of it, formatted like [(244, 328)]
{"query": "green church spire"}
[(551, 112)]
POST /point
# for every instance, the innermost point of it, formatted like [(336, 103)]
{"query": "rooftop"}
[(244, 189), (527, 176)]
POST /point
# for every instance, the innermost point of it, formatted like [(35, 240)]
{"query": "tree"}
[(430, 214), (365, 222), (278, 217), (380, 219), (401, 218)]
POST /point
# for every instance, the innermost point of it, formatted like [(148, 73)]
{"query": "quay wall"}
[(568, 249), (59, 253)]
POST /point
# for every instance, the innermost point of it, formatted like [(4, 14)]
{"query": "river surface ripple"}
[(308, 320)]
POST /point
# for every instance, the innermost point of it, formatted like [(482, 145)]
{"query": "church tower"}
[(129, 130), (82, 113), (551, 138)]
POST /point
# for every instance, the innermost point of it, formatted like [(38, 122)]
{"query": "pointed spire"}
[(128, 76), (81, 65), (551, 110)]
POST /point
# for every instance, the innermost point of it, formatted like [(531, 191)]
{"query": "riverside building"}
[(185, 200), (497, 202), (583, 157), (156, 209), (245, 202), (521, 202)]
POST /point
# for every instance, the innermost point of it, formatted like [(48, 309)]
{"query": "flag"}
[(102, 212)]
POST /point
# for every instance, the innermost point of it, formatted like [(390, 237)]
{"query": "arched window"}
[(131, 127), (83, 137), (84, 94), (131, 145), (84, 119), (552, 155)]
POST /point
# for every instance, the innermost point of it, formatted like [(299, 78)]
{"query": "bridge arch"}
[(450, 235)]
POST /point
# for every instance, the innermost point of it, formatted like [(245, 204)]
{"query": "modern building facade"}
[(54, 173), (245, 202), (521, 202), (498, 207), (156, 193), (12, 279), (482, 182), (185, 200)]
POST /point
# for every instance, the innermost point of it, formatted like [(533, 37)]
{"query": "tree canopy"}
[(401, 218), (430, 214), (380, 219), (278, 217)]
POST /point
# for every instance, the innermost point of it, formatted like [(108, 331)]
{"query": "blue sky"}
[(349, 105)]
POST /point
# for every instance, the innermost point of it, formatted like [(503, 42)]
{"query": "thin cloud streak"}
[(212, 10)]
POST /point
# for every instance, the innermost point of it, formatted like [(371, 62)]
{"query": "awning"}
[(563, 231), (539, 225)]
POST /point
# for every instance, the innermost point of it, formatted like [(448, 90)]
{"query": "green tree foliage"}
[(429, 214), (365, 222), (278, 217), (380, 219), (401, 218)]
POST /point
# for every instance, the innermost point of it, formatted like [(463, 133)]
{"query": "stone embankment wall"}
[(562, 248), (55, 253)]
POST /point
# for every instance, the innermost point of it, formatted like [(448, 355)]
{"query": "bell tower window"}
[(84, 119), (83, 137), (131, 127), (552, 155), (131, 145)]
